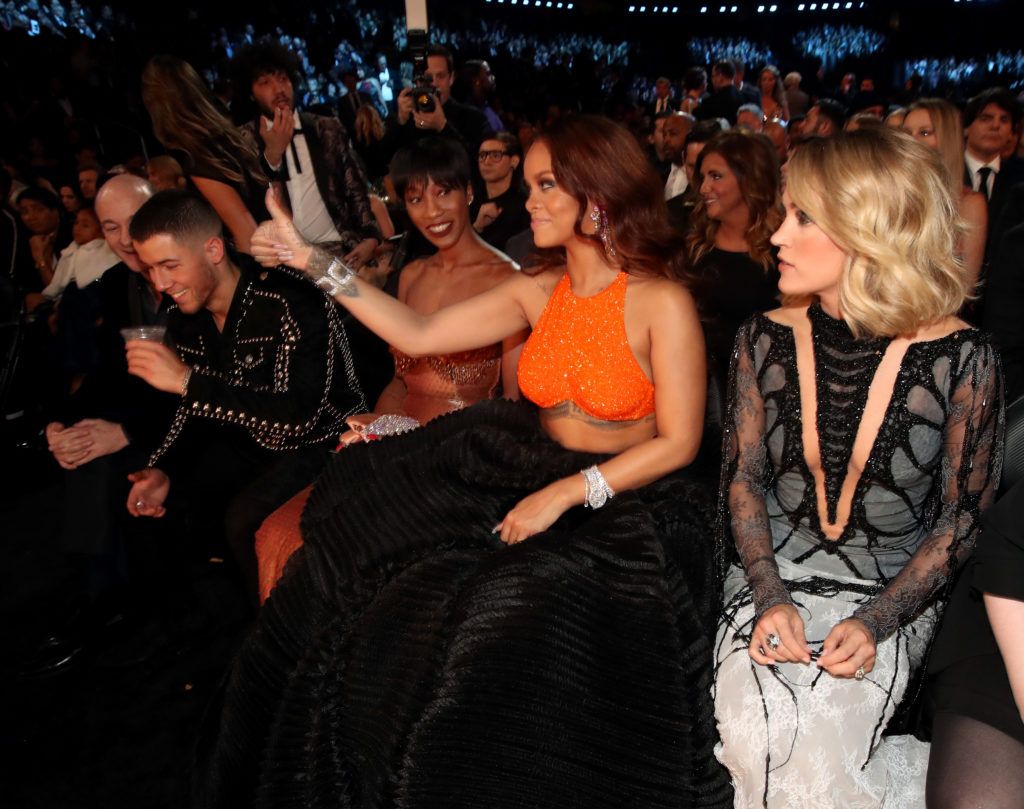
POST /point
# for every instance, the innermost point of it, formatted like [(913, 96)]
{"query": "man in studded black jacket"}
[(263, 368)]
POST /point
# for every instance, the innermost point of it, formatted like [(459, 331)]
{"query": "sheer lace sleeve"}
[(971, 464), (745, 476)]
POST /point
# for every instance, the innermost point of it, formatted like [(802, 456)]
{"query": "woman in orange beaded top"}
[(521, 588)]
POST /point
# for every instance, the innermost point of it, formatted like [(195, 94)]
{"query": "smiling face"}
[(810, 263), (918, 124), (720, 188), (439, 213), (553, 211), (273, 91), (186, 272), (115, 208)]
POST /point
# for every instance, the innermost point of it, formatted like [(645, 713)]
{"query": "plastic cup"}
[(153, 334)]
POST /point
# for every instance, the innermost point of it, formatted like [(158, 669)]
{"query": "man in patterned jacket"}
[(310, 155), (263, 369)]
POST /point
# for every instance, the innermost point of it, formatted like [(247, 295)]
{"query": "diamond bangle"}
[(598, 490), (338, 279)]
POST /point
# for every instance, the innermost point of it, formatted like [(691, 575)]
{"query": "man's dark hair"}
[(176, 213), (724, 68), (739, 68), (702, 132), (100, 171), (43, 196), (834, 111), (441, 50), (1003, 99), (260, 58), (443, 160), (694, 78), (511, 143)]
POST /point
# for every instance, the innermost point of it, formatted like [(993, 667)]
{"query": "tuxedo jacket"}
[(339, 177), (1004, 305)]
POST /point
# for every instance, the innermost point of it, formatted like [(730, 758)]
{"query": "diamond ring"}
[(773, 641), (859, 673)]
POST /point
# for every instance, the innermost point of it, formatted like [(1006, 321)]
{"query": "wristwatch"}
[(337, 278)]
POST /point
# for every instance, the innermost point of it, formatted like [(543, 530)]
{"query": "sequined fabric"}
[(578, 352), (439, 384)]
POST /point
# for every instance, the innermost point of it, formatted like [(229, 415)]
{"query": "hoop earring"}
[(603, 231)]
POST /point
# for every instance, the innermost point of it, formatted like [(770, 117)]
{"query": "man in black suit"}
[(663, 101), (989, 121), (349, 104), (726, 99), (748, 92)]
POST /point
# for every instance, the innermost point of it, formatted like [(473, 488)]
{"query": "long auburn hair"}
[(598, 162), (753, 161), (185, 117)]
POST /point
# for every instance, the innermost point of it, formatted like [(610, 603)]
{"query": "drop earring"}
[(602, 229)]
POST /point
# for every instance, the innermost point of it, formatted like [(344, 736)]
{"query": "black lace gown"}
[(793, 735)]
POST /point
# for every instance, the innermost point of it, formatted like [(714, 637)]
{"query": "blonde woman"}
[(217, 160), (936, 123), (862, 440)]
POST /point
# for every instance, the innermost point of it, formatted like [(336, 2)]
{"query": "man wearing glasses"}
[(504, 213)]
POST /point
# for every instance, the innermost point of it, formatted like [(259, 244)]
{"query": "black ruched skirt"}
[(408, 658)]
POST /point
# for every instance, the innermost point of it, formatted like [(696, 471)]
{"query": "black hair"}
[(176, 213), (725, 68), (702, 132), (511, 143), (43, 196), (694, 78), (442, 160), (260, 58), (834, 111), (1003, 99), (441, 50)]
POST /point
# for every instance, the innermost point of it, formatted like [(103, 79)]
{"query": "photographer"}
[(428, 108)]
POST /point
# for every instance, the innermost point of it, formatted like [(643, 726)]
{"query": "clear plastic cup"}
[(153, 334)]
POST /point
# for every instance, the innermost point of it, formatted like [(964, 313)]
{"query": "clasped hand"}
[(84, 441), (848, 646), (534, 513)]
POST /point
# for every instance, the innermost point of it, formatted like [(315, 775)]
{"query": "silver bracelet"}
[(338, 279), (598, 490), (185, 381)]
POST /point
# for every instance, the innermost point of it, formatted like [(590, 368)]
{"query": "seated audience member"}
[(734, 263), (88, 180), (309, 155), (263, 371), (504, 213), (40, 213), (164, 172), (680, 207), (676, 129), (936, 123), (84, 260), (976, 672), (70, 197), (826, 118), (219, 163), (656, 138), (368, 141), (433, 178), (751, 118)]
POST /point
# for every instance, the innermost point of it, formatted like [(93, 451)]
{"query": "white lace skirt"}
[(792, 735)]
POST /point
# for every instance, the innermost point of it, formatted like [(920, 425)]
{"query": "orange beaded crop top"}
[(579, 353)]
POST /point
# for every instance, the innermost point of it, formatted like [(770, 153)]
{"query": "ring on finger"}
[(859, 673), (772, 641)]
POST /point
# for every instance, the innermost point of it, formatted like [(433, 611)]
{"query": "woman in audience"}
[(43, 216), (738, 177), (863, 438), (218, 162), (936, 123), (458, 630), (433, 178), (977, 672), (368, 141), (773, 95)]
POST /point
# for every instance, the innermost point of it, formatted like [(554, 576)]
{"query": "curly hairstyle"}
[(265, 56), (884, 199), (186, 118), (598, 162), (753, 161)]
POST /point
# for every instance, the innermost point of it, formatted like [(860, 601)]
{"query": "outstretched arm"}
[(480, 321)]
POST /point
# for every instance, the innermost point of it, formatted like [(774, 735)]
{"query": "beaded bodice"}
[(439, 384), (579, 352), (932, 466)]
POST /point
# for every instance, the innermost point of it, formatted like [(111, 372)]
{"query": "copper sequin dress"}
[(792, 735), (434, 386), (408, 658)]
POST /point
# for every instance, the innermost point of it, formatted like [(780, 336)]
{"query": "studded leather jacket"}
[(281, 369)]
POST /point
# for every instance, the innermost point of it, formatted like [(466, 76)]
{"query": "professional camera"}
[(423, 94)]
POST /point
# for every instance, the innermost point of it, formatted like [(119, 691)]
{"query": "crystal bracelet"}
[(598, 490)]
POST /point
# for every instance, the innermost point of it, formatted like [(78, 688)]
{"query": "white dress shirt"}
[(308, 208), (676, 183), (974, 166)]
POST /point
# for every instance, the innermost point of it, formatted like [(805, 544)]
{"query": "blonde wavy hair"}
[(949, 132), (885, 200)]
